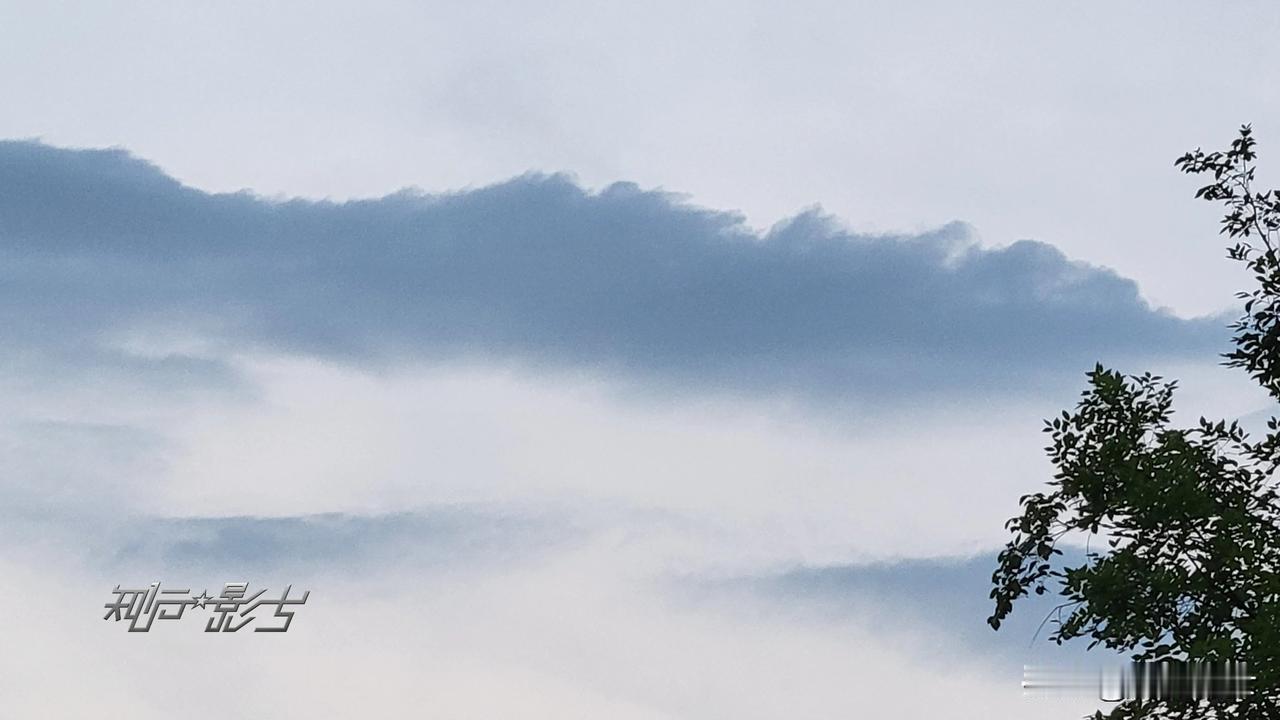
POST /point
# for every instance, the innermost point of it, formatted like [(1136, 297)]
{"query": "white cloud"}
[(575, 636)]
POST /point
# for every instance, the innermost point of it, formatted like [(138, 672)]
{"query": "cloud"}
[(103, 252), (944, 597), (572, 633), (203, 388), (947, 597), (442, 538)]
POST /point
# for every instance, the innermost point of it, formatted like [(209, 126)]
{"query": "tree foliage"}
[(1187, 519)]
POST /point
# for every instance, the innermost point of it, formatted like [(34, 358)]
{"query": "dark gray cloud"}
[(447, 538), (537, 271), (947, 597)]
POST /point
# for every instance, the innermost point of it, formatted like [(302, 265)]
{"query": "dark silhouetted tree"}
[(1189, 518)]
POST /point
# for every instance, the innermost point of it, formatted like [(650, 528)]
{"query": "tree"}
[(1189, 518)]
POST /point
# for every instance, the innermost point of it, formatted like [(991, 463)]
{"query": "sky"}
[(584, 360)]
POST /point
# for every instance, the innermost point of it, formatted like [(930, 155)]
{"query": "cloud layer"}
[(409, 405), (104, 254), (574, 633)]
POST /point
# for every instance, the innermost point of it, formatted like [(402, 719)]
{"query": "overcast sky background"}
[(585, 361)]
